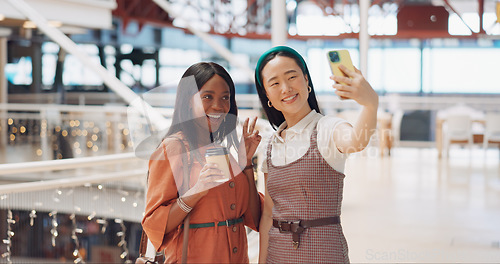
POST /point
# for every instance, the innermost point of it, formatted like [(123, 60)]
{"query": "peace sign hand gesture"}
[(250, 140)]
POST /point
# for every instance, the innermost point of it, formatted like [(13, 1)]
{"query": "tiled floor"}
[(413, 207)]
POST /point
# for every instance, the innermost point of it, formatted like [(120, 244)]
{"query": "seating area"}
[(467, 127), (451, 127), (491, 130)]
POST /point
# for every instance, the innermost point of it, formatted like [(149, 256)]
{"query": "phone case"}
[(337, 57)]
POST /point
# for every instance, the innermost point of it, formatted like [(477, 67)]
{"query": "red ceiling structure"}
[(416, 19)]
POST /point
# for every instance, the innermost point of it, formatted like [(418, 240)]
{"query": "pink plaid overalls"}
[(306, 189)]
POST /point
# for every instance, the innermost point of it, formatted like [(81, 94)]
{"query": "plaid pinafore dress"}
[(306, 189)]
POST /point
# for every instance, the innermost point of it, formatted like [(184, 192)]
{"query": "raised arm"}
[(250, 140), (350, 139)]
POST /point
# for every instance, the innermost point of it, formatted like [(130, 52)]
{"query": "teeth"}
[(213, 116), (289, 98)]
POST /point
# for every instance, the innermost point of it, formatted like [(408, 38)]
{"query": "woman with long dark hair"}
[(304, 166), (181, 182)]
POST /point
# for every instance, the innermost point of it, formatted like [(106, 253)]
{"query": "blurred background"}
[(426, 189)]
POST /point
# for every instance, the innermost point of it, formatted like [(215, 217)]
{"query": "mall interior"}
[(84, 82)]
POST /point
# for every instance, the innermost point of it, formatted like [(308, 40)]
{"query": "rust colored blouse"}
[(219, 244)]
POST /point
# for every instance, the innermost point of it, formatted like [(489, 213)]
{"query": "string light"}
[(74, 236), (56, 195), (10, 234), (124, 194), (136, 200), (104, 224), (123, 242), (53, 231), (91, 216), (23, 130), (32, 217)]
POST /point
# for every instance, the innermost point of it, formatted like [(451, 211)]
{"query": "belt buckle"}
[(227, 222), (294, 222), (280, 227), (289, 223)]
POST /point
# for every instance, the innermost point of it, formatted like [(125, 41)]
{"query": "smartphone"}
[(337, 57)]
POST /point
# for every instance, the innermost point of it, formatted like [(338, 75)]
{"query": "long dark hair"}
[(183, 119), (274, 116)]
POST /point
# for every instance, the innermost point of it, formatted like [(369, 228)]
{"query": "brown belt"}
[(297, 227)]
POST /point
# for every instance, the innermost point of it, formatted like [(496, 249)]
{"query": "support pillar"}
[(58, 78), (279, 30), (364, 38), (36, 65), (3, 92)]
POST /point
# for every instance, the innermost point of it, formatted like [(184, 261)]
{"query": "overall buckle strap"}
[(297, 227)]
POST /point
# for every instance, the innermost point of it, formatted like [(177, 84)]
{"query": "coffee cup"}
[(219, 156)]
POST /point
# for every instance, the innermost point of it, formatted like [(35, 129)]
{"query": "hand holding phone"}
[(337, 57)]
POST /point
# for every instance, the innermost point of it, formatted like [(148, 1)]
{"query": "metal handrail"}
[(65, 164), (75, 108), (69, 182)]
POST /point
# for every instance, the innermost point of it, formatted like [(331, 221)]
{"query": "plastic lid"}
[(216, 151)]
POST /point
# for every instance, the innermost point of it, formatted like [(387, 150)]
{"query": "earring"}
[(309, 89), (269, 104)]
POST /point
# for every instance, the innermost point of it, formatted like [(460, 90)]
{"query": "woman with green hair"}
[(304, 166)]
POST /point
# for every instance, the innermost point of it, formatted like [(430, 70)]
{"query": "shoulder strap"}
[(144, 244), (184, 188), (186, 166), (147, 252), (146, 247)]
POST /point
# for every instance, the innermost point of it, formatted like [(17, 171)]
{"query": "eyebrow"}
[(287, 72), (212, 92)]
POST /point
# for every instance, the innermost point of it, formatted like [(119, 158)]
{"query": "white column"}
[(3, 91), (364, 38), (279, 30)]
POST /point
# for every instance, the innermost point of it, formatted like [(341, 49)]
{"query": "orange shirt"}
[(219, 244)]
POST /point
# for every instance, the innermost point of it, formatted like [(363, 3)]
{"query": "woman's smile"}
[(290, 99), (215, 119)]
